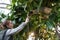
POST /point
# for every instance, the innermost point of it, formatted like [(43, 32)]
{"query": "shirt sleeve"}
[(16, 30)]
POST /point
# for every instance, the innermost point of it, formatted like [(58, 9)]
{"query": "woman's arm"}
[(18, 29)]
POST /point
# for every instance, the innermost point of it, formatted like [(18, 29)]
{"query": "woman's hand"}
[(27, 19)]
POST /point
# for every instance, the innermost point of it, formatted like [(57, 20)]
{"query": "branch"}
[(4, 8), (5, 4)]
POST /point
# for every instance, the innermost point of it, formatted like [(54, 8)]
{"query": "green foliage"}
[(20, 9), (41, 26)]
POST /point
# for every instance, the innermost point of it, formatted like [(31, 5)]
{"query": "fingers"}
[(27, 19), (28, 16)]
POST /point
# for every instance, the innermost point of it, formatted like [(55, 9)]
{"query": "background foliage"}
[(41, 22)]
